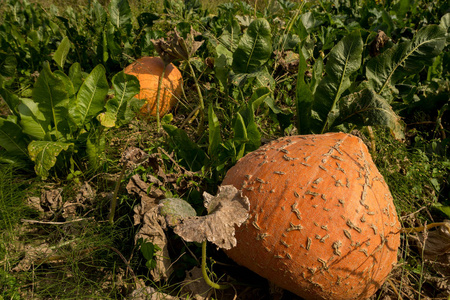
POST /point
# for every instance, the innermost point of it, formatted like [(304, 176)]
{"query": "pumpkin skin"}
[(148, 70), (322, 221)]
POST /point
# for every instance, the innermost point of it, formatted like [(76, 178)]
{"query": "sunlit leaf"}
[(90, 97), (344, 59), (125, 87), (50, 94), (44, 155), (120, 13), (60, 54)]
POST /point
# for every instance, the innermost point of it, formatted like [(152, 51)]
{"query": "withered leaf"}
[(152, 231), (149, 293), (177, 47), (195, 285), (133, 156), (174, 209), (436, 242), (226, 210)]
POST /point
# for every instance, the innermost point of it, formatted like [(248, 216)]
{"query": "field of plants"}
[(82, 169)]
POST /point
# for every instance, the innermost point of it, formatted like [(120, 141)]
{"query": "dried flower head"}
[(176, 47)]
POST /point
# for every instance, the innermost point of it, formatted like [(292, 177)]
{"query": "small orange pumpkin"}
[(322, 221), (148, 70)]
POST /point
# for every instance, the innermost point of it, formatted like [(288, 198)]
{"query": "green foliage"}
[(149, 251), (61, 116)]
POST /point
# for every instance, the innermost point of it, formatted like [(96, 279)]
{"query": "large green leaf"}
[(120, 13), (99, 15), (304, 98), (44, 155), (254, 49), (50, 94), (367, 108), (125, 87), (32, 120), (405, 59), (76, 76), (344, 59), (90, 97), (12, 138), (60, 54), (230, 36)]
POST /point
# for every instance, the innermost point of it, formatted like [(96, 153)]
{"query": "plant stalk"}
[(158, 98), (205, 274), (200, 97), (116, 192)]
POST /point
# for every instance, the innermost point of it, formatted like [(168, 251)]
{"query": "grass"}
[(93, 259)]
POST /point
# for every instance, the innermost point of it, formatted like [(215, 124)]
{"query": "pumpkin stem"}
[(205, 274), (200, 97)]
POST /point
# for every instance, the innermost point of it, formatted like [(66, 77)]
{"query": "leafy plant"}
[(337, 102), (149, 251), (60, 120)]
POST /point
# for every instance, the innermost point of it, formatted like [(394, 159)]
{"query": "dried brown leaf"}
[(51, 199), (435, 243), (152, 231), (33, 254), (436, 247), (86, 194), (195, 285), (176, 47), (226, 210), (149, 293), (133, 156)]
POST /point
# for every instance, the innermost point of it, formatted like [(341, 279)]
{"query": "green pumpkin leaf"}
[(44, 155), (344, 59), (90, 97), (230, 35), (8, 65), (254, 49)]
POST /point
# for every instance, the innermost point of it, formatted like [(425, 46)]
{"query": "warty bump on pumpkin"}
[(322, 221)]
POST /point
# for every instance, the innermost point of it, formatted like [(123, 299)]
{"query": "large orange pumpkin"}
[(322, 222), (148, 70)]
